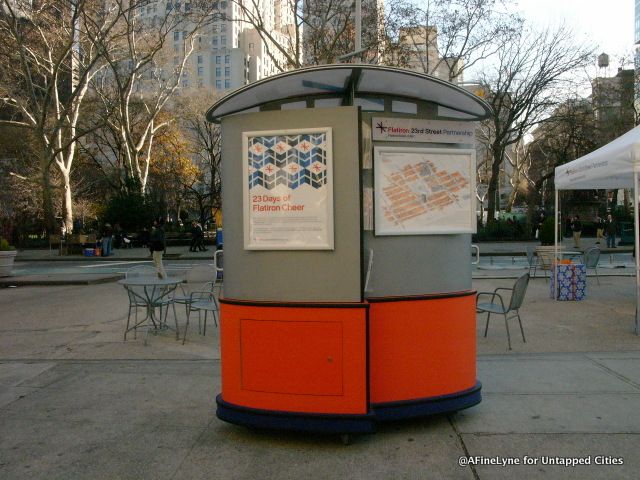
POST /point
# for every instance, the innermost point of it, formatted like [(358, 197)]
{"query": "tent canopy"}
[(609, 167)]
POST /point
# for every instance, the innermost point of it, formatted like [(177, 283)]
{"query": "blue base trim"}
[(428, 406), (315, 422), (301, 422)]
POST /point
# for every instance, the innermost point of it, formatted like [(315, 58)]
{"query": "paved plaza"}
[(78, 402)]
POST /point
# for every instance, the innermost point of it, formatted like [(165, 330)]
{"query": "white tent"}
[(616, 165)]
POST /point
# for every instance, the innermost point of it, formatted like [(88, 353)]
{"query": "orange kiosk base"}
[(343, 367)]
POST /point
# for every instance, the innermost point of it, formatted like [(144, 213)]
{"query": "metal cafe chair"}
[(515, 302), (532, 260), (591, 259)]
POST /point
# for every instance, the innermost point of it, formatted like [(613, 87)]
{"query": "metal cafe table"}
[(151, 292)]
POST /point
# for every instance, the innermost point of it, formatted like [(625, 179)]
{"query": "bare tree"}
[(311, 32), (529, 78), (447, 37), (204, 138), (137, 85), (48, 57)]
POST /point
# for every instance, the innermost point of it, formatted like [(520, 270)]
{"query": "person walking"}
[(599, 228), (576, 228), (157, 245), (610, 230), (107, 238), (194, 237)]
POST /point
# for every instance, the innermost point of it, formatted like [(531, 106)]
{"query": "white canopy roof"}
[(608, 167), (342, 79)]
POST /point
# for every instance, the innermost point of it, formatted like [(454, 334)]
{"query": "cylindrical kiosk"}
[(348, 203)]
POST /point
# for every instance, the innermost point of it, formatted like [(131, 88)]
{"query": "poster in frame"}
[(288, 189), (422, 191)]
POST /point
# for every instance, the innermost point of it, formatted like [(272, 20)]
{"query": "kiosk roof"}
[(350, 79)]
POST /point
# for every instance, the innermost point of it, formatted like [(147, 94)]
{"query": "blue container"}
[(219, 238)]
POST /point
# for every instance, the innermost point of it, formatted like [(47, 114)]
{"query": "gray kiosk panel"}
[(295, 275)]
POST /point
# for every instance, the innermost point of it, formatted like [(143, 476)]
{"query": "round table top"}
[(150, 281)]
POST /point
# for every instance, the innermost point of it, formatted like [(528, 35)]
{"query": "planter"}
[(6, 262)]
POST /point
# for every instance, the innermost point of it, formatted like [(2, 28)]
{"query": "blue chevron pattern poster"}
[(288, 190)]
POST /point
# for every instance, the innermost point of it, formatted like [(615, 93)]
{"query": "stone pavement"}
[(78, 402)]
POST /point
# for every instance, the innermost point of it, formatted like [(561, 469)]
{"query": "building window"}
[(176, 35), (223, 40), (218, 57), (199, 58), (184, 34), (227, 84), (214, 41), (218, 72), (199, 83), (187, 7), (169, 6), (227, 71), (223, 5), (223, 27), (200, 71), (177, 7), (214, 28), (185, 83), (226, 58), (219, 84)]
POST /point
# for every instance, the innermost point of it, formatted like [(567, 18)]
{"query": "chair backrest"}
[(592, 257), (530, 255), (519, 290), (141, 271), (218, 261)]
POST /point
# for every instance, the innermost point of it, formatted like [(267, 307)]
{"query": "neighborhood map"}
[(423, 193)]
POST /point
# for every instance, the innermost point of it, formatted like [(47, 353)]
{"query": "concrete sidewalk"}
[(78, 402)]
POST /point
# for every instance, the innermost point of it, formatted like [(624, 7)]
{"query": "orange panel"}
[(294, 359), (421, 348), (280, 357)]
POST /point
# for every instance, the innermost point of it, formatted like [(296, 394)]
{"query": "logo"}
[(380, 126)]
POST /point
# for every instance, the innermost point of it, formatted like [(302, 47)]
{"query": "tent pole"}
[(636, 241), (554, 262)]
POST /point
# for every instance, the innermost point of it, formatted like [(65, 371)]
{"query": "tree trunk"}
[(67, 215), (493, 187), (47, 200)]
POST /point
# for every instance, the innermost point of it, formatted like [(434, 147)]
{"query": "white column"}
[(636, 242), (555, 246)]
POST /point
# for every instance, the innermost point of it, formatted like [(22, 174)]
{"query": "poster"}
[(424, 191), (288, 190)]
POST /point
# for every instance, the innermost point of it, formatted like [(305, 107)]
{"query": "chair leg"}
[(175, 317), (486, 327), (186, 326), (127, 327), (204, 331), (597, 277), (521, 329), (506, 323)]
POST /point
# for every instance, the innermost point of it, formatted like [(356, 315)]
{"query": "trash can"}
[(219, 239)]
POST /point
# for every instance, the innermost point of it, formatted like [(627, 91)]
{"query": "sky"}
[(609, 24)]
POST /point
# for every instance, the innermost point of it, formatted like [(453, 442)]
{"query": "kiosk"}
[(349, 203)]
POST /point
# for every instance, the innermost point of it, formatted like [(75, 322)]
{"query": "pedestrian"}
[(610, 230), (200, 238), (599, 228), (107, 237), (194, 237), (576, 228), (157, 245)]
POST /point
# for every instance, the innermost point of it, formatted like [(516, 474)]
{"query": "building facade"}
[(229, 51)]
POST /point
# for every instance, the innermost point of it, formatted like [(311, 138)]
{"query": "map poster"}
[(288, 190), (424, 191)]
